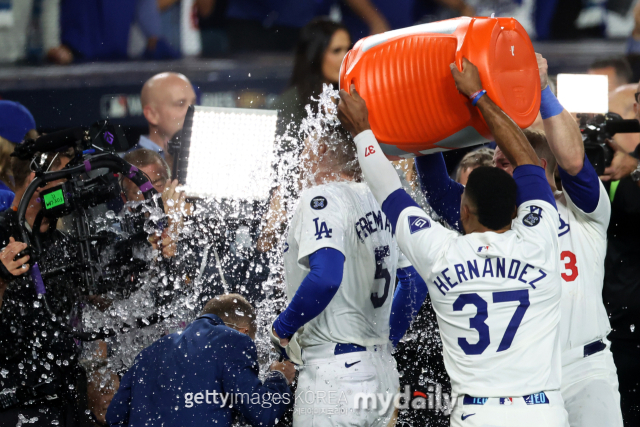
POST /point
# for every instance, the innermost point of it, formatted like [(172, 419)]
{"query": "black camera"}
[(84, 189), (595, 133)]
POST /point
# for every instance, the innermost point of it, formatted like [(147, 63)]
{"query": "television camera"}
[(102, 256), (595, 133)]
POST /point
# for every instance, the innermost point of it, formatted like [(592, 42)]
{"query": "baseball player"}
[(589, 379), (340, 260), (496, 291)]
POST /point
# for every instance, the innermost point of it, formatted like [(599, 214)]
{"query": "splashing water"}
[(289, 179)]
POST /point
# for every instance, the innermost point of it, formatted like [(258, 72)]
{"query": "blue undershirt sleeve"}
[(315, 292), (407, 300), (442, 192), (584, 188), (532, 185)]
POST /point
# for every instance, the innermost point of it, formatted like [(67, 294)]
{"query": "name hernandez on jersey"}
[(497, 299), (499, 335), (491, 268), (345, 216), (584, 211)]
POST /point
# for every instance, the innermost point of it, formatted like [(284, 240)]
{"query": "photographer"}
[(40, 376), (622, 274)]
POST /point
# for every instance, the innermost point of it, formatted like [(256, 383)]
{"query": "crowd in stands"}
[(76, 31)]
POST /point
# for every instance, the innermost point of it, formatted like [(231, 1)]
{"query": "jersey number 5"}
[(477, 321), (381, 273)]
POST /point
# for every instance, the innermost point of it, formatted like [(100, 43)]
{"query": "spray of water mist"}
[(289, 179)]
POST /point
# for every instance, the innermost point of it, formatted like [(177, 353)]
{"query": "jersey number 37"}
[(478, 321)]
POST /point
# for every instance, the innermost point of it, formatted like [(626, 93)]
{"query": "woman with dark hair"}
[(319, 53)]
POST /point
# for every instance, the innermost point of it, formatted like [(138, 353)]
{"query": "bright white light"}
[(584, 93), (231, 153)]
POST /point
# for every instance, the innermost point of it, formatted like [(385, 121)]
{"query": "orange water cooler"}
[(414, 106)]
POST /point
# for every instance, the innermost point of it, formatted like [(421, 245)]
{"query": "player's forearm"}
[(407, 300), (563, 134), (507, 134), (382, 178), (565, 141), (442, 192), (376, 168), (434, 180)]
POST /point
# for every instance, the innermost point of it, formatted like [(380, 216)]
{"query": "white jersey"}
[(583, 246), (345, 216), (496, 297)]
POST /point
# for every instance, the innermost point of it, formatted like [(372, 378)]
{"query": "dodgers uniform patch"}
[(318, 203), (417, 223)]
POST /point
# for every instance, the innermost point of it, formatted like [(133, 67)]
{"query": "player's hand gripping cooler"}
[(414, 106)]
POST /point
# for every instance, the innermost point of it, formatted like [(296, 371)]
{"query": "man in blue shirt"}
[(204, 375), (165, 99), (16, 124)]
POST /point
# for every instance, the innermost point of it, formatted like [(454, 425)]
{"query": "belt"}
[(575, 354), (331, 350), (594, 347), (530, 399), (348, 348)]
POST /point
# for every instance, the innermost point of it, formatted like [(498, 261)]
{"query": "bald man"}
[(165, 98)]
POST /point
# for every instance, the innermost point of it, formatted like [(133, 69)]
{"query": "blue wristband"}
[(478, 96), (549, 105)]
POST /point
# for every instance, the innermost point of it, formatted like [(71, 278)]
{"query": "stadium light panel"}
[(227, 153), (584, 93)]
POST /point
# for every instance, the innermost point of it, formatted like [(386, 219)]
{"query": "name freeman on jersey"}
[(370, 223), (493, 267)]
